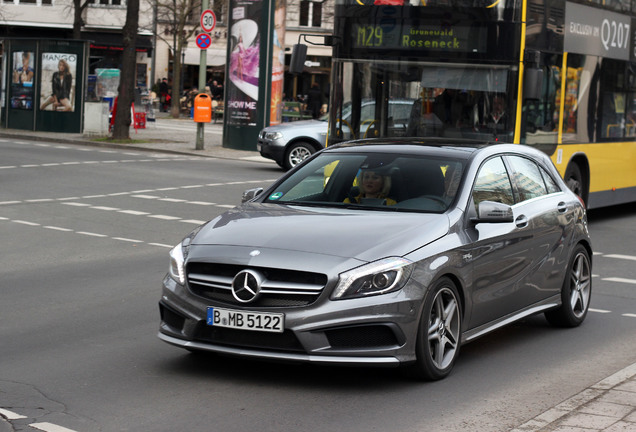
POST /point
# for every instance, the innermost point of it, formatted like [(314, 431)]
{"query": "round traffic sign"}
[(203, 41), (208, 20)]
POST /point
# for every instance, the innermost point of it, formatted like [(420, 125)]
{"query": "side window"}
[(552, 186), (527, 178), (493, 184)]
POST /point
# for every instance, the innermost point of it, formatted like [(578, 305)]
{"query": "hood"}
[(360, 234), (300, 124)]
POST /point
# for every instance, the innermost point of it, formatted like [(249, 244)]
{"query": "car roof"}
[(440, 147)]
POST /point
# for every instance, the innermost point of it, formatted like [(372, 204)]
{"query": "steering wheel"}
[(435, 199)]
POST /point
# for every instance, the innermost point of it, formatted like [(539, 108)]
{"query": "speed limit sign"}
[(208, 20)]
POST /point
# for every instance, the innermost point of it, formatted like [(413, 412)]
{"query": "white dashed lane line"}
[(85, 233), (43, 426)]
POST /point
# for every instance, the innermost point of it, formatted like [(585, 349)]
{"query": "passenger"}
[(373, 186)]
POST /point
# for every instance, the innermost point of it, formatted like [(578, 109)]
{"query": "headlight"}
[(178, 256), (273, 136), (380, 277)]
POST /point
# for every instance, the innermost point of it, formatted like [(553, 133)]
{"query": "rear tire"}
[(576, 292), (297, 153), (439, 334)]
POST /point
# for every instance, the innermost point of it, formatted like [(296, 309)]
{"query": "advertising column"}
[(250, 96)]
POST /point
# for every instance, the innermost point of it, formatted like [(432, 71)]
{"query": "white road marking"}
[(134, 212), (26, 223), (105, 208), (10, 415), (630, 315), (625, 257), (193, 221), (92, 234), (164, 217), (128, 240), (603, 311), (50, 427), (161, 245), (58, 228), (145, 196), (620, 280)]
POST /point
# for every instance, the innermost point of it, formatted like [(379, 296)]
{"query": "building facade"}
[(104, 20)]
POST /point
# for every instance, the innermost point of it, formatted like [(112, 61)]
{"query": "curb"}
[(576, 402)]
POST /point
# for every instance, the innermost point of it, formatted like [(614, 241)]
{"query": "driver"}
[(373, 185)]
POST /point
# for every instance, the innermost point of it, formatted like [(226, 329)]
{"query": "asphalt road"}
[(86, 233)]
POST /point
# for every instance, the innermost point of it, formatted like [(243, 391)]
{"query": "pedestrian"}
[(164, 91), (314, 100)]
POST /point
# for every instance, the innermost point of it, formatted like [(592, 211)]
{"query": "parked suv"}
[(290, 143)]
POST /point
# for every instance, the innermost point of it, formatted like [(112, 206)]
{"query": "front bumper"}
[(271, 149), (378, 330)]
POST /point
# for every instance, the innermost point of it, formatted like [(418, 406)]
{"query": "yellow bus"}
[(558, 75)]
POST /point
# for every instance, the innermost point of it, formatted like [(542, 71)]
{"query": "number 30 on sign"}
[(208, 20)]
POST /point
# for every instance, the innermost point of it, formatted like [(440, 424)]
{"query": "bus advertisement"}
[(553, 74)]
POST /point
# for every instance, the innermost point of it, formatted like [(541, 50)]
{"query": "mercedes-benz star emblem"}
[(246, 285)]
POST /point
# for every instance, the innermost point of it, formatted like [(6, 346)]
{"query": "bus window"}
[(614, 99), (402, 99), (541, 116)]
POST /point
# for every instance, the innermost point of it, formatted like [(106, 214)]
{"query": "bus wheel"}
[(574, 180)]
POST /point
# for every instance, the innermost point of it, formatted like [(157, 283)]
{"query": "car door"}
[(500, 250), (551, 220)]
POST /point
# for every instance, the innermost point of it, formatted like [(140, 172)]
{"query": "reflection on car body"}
[(478, 236)]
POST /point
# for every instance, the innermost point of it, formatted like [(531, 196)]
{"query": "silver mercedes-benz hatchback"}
[(383, 252)]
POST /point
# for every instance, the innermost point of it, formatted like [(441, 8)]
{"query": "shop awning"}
[(214, 56), (115, 41)]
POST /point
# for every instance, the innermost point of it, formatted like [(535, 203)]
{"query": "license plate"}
[(245, 320)]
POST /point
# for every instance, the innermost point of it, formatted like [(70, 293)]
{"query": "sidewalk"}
[(165, 134), (607, 406)]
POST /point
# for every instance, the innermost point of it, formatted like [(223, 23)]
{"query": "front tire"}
[(576, 292), (439, 334), (297, 153)]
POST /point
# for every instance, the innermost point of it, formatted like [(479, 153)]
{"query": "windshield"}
[(402, 98), (372, 181)]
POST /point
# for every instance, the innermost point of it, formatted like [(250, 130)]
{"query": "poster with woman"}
[(58, 82), (22, 81), (242, 92)]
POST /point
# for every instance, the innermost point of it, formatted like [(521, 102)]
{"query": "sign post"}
[(208, 22)]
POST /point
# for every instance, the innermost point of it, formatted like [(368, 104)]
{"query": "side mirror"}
[(494, 212), (250, 194), (533, 83), (297, 62)]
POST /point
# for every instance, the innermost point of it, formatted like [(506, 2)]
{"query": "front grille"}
[(283, 342), (280, 288), (361, 337)]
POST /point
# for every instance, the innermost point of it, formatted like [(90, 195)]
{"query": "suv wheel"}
[(297, 153)]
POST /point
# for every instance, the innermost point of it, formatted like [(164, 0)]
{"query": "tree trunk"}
[(175, 106), (126, 92), (77, 19)]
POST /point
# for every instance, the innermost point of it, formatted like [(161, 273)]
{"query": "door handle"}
[(521, 221), (562, 207)]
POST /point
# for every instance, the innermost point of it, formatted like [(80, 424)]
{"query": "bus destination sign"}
[(426, 37)]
